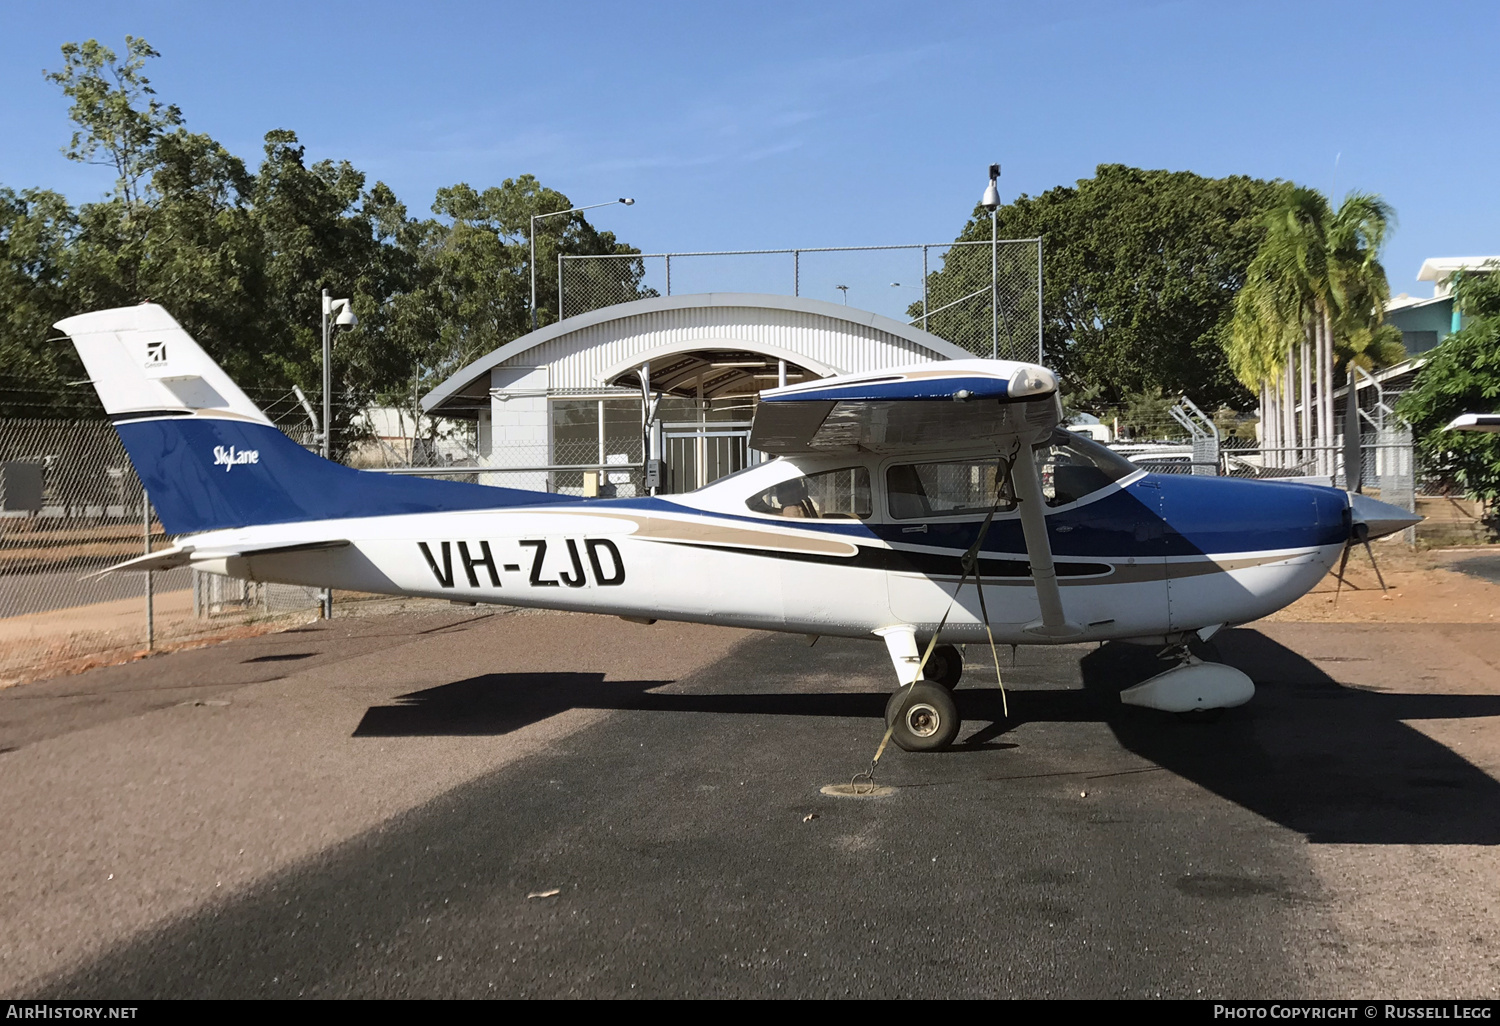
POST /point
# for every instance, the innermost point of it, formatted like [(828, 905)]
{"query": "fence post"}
[(669, 274), (924, 288), (150, 603), (1040, 349), (796, 272)]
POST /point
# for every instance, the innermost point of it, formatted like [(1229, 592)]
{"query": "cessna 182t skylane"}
[(893, 492)]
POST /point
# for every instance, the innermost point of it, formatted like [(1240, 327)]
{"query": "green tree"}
[(36, 229), (240, 257), (1462, 375), (119, 123), (1141, 268), (471, 291), (175, 228)]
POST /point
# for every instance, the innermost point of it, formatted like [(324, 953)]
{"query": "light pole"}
[(923, 290), (347, 319), (845, 290), (991, 202), (537, 217)]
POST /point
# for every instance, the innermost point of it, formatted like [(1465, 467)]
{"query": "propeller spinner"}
[(1371, 518)]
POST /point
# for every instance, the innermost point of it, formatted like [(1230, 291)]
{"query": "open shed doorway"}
[(701, 406)]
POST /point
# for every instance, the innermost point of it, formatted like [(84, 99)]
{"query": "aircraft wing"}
[(185, 554), (957, 403)]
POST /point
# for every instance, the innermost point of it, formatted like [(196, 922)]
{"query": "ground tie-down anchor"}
[(969, 563), (861, 785)]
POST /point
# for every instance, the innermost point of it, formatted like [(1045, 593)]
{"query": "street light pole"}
[(327, 377), (991, 202), (537, 217), (345, 317)]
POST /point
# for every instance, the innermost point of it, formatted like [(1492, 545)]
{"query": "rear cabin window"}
[(831, 495), (1071, 467), (948, 489)]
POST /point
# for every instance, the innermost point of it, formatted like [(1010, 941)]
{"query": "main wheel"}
[(924, 717), (945, 666)]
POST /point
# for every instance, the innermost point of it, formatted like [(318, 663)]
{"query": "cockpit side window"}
[(948, 489), (842, 494), (1073, 467)]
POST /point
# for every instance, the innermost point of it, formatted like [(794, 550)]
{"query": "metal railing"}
[(983, 297)]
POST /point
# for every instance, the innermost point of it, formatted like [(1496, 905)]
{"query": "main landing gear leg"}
[(921, 715)]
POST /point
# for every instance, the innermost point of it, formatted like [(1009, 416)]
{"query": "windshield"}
[(1073, 466)]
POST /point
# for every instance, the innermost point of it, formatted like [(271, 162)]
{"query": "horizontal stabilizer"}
[(186, 555)]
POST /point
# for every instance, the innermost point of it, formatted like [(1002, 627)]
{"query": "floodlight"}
[(627, 202)]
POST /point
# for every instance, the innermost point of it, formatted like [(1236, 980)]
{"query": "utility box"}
[(20, 487)]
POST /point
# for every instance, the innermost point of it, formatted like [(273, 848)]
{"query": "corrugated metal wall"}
[(579, 358)]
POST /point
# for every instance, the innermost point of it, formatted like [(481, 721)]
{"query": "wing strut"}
[(1026, 480)]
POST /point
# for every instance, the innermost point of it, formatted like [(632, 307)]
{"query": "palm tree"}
[(1277, 311), (1314, 281), (1360, 292), (1369, 349), (1259, 346)]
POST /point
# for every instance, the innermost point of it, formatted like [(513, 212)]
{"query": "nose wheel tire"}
[(923, 716), (945, 666)]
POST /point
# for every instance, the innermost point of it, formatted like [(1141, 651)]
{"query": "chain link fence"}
[(71, 505), (1181, 439), (983, 297)]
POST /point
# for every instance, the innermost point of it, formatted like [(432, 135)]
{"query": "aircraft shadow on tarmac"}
[(1333, 762)]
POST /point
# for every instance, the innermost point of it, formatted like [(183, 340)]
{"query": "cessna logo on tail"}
[(231, 457)]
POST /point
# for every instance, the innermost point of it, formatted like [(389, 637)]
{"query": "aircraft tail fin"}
[(209, 457)]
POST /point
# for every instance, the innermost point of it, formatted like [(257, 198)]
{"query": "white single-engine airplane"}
[(925, 502)]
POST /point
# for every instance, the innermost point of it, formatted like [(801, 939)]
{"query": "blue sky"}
[(763, 125)]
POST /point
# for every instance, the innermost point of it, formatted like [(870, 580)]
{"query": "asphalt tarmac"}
[(549, 805)]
